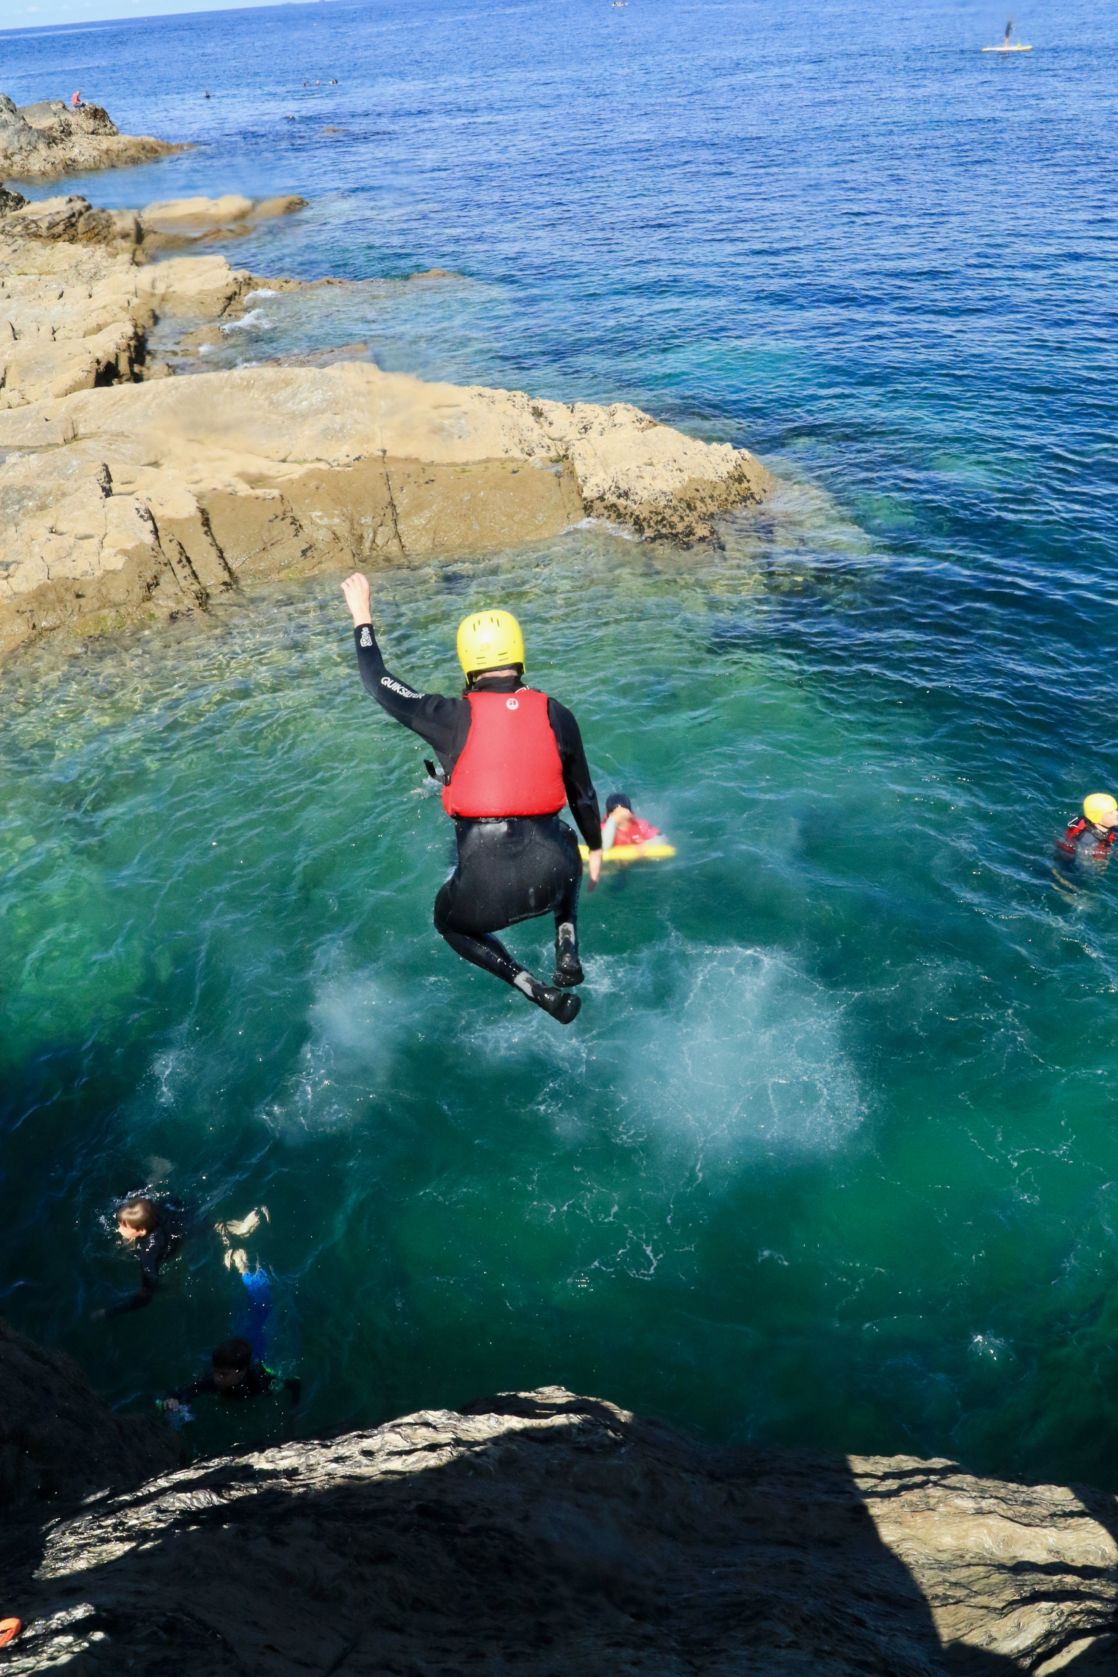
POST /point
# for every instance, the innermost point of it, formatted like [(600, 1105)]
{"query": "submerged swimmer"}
[(511, 758), (234, 1374)]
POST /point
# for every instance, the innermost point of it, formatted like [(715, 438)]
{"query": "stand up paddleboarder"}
[(511, 758)]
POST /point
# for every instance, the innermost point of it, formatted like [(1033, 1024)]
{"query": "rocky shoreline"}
[(536, 1532), (39, 142), (128, 495)]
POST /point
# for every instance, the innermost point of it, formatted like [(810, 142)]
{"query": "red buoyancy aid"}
[(637, 832), (510, 763), (1068, 844)]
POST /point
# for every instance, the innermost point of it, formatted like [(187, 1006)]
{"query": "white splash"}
[(354, 1026), (254, 318), (748, 1057)]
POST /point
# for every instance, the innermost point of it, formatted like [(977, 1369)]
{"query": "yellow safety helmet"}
[(488, 640), (1098, 805)]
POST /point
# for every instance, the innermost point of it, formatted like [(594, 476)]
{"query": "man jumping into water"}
[(511, 758)]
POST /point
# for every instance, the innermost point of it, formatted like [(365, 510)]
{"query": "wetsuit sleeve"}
[(154, 1251), (197, 1388), (137, 1301), (576, 774), (441, 721)]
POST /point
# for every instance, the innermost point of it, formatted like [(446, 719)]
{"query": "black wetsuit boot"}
[(487, 952), (568, 967)]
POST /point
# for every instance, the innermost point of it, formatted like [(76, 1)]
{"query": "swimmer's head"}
[(490, 640), (136, 1218), (231, 1360), (1101, 809), (620, 804)]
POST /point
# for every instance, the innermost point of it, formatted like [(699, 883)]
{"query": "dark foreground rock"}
[(58, 1439), (555, 1535)]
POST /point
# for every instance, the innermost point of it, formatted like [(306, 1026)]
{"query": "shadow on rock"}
[(551, 1534)]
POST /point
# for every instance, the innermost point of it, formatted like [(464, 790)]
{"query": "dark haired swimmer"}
[(234, 1375), (511, 758), (154, 1230)]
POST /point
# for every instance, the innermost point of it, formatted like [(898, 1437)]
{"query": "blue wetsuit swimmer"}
[(238, 1370), (511, 757)]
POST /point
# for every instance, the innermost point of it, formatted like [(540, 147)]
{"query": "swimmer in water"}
[(511, 759), (154, 1230), (238, 1369), (1091, 837), (1085, 845), (622, 826), (234, 1375)]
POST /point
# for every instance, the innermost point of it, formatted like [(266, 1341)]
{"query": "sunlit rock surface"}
[(48, 139), (127, 496)]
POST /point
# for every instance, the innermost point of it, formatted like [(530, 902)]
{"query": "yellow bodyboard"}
[(655, 851)]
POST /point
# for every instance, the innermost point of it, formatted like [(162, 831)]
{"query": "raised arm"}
[(441, 721)]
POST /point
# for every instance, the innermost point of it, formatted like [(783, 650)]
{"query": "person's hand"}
[(594, 868), (357, 598)]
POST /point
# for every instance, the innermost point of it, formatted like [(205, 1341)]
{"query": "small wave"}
[(611, 529), (255, 318)]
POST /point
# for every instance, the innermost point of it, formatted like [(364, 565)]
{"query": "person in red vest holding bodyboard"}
[(511, 759)]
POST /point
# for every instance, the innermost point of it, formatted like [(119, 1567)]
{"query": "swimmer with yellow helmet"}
[(511, 758), (1090, 837)]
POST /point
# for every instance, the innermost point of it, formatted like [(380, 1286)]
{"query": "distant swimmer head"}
[(490, 640), (1101, 809)]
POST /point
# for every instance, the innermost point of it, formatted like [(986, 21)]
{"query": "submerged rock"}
[(550, 1534)]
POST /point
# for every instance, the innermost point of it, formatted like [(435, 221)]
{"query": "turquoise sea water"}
[(831, 1156)]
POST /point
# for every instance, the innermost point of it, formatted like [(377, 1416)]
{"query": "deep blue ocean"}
[(831, 1157)]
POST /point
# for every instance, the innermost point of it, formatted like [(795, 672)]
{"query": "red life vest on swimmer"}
[(1068, 843), (510, 763), (637, 832)]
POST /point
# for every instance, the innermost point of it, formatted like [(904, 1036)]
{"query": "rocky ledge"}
[(127, 495), (547, 1534), (48, 139)]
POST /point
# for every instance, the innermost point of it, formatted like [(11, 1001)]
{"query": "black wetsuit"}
[(257, 1381), (153, 1250), (508, 869)]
